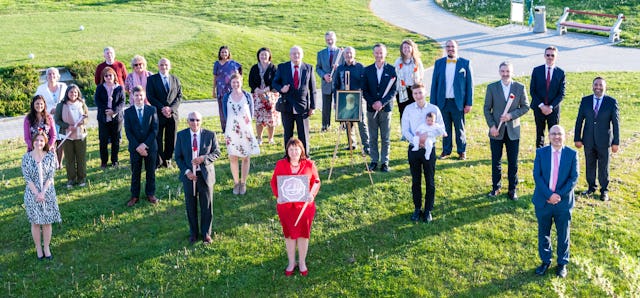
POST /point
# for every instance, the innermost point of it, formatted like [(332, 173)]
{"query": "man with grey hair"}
[(324, 65), (110, 60), (297, 85)]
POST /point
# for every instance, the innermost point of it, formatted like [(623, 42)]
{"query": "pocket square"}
[(463, 72)]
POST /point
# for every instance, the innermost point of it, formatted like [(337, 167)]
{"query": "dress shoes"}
[(115, 165), (604, 196), (427, 216), (192, 239), (444, 156), (384, 168), (207, 239), (50, 257), (462, 156), (561, 271), (290, 273), (350, 148), (152, 199), (416, 215), (304, 273), (366, 151), (542, 269), (373, 166), (587, 192), (494, 193), (513, 195), (132, 202)]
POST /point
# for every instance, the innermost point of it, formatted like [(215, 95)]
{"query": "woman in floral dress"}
[(38, 169), (264, 98), (241, 142), (223, 69)]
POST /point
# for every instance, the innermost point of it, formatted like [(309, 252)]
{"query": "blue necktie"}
[(140, 116)]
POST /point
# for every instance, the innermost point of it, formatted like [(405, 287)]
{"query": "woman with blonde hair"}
[(410, 71)]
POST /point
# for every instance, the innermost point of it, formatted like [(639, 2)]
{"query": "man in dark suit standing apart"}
[(324, 64), (547, 92), (452, 92), (141, 127), (196, 150), (597, 128), (505, 102), (379, 90), (165, 93), (297, 85), (555, 172)]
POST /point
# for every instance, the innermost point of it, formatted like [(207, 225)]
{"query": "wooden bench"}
[(614, 30)]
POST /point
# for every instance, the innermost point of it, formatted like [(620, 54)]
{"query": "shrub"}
[(17, 85)]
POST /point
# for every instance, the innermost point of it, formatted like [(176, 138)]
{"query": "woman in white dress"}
[(237, 108), (53, 91)]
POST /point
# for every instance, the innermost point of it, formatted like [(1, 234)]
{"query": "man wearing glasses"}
[(196, 150), (547, 92)]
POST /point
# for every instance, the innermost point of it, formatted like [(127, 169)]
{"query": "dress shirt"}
[(414, 115), (506, 89), (379, 71), (449, 75), (595, 102), (553, 150)]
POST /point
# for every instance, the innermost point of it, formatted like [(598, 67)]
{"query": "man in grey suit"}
[(196, 150), (597, 128), (555, 172), (165, 93), (504, 104), (452, 92), (324, 65)]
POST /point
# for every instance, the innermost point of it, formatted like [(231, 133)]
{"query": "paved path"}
[(486, 47)]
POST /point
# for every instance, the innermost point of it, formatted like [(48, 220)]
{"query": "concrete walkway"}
[(486, 47)]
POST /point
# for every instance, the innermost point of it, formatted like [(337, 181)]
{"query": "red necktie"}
[(546, 99), (195, 142), (554, 173), (296, 77)]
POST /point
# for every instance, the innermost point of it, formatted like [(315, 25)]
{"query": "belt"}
[(450, 98)]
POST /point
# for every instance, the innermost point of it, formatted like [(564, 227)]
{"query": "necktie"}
[(554, 173), (597, 108), (296, 77), (330, 57), (452, 60), (140, 115), (166, 83), (195, 142), (546, 98)]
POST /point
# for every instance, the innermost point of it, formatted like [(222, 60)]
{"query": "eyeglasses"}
[(138, 64), (194, 120), (555, 134), (550, 55)]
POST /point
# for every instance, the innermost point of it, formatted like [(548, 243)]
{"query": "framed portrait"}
[(349, 106), (293, 188)]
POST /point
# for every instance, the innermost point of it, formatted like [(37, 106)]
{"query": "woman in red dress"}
[(296, 163)]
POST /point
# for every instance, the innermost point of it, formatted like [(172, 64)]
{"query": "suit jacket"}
[(538, 87), (462, 83), (602, 131), (495, 103), (374, 91), (141, 133), (117, 105), (324, 66), (302, 99), (208, 147), (567, 177), (160, 98)]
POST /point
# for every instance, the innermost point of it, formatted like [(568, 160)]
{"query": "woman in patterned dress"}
[(39, 119), (38, 169), (264, 98), (241, 142), (223, 69)]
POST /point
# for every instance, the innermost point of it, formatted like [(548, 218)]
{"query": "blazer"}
[(160, 98), (208, 147), (302, 99), (602, 131), (323, 66), (495, 103), (567, 177), (101, 98), (374, 91), (538, 86), (462, 83), (254, 76), (145, 133)]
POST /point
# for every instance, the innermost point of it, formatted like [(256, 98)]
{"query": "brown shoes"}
[(462, 156), (132, 202), (152, 199), (207, 239)]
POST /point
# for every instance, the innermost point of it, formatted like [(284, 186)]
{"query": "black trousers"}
[(301, 122), (513, 147), (419, 166), (109, 132), (544, 121), (327, 102), (150, 172), (202, 199), (403, 105), (597, 159), (166, 137)]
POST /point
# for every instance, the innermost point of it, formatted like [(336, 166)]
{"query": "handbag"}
[(280, 104)]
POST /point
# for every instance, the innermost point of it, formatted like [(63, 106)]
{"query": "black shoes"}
[(427, 216), (542, 269), (561, 271), (513, 195), (604, 196), (373, 166), (384, 168), (494, 193), (416, 215), (588, 192)]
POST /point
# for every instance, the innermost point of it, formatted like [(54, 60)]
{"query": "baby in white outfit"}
[(432, 130)]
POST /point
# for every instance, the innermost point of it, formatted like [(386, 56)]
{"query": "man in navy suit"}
[(297, 85), (196, 150), (452, 92), (547, 92), (325, 60), (597, 128), (378, 91), (141, 127), (165, 93), (555, 172)]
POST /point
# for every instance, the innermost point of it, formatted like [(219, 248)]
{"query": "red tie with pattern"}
[(296, 77), (554, 173), (546, 98)]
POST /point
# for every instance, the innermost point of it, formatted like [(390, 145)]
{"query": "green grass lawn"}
[(496, 13), (362, 243)]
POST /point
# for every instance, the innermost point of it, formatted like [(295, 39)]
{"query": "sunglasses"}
[(550, 55), (194, 120), (138, 64)]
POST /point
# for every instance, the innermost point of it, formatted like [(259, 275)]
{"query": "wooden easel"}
[(348, 125)]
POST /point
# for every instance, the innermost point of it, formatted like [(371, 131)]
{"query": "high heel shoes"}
[(304, 273), (290, 273)]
